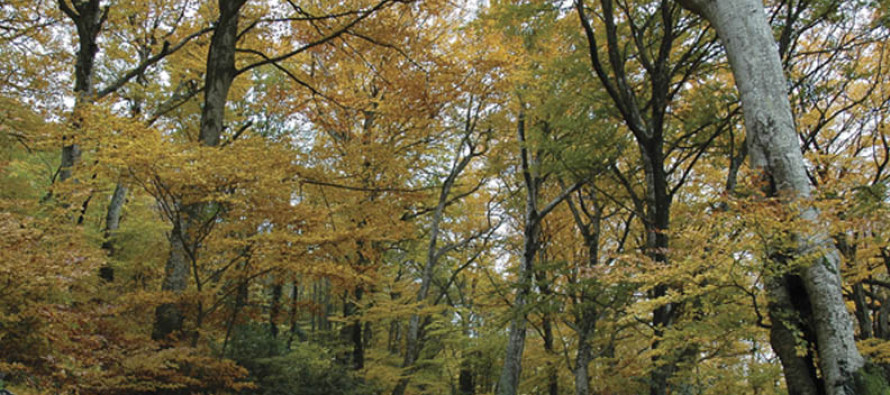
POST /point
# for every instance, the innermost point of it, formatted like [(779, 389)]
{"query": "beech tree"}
[(773, 148), (402, 197)]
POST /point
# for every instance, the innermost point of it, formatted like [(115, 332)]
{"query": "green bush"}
[(306, 369)]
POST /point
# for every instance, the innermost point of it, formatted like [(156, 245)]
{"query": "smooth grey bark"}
[(112, 224), (115, 208), (434, 252), (773, 148), (183, 238)]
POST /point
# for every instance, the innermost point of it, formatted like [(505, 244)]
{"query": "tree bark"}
[(183, 247), (112, 224), (645, 117), (508, 383), (88, 17), (413, 341), (586, 318), (773, 147)]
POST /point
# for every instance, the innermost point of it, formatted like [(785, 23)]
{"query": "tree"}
[(220, 73), (773, 148)]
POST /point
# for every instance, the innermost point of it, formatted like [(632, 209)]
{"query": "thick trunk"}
[(88, 17), (773, 147), (183, 248), (800, 373), (168, 317)]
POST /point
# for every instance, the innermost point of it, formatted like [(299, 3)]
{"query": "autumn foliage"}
[(388, 190)]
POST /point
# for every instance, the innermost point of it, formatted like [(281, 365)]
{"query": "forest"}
[(465, 197)]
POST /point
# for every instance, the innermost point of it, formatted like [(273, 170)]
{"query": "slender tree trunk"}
[(351, 333), (294, 324), (413, 340), (586, 319), (508, 384), (112, 224), (646, 122), (552, 374), (773, 147)]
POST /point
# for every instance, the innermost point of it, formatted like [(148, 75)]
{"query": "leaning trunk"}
[(773, 147)]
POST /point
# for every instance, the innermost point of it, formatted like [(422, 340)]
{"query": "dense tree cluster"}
[(433, 197)]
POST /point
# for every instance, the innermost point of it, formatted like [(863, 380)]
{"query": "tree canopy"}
[(435, 197)]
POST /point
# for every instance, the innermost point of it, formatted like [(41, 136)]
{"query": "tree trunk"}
[(88, 17), (413, 340), (800, 372), (552, 374), (112, 224), (508, 384), (586, 319), (466, 385), (275, 309), (183, 248), (351, 333), (773, 148)]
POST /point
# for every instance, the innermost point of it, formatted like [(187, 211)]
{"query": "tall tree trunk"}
[(183, 249), (657, 223), (547, 331), (466, 384), (773, 147), (508, 384), (88, 17), (552, 374), (413, 340), (645, 118)]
